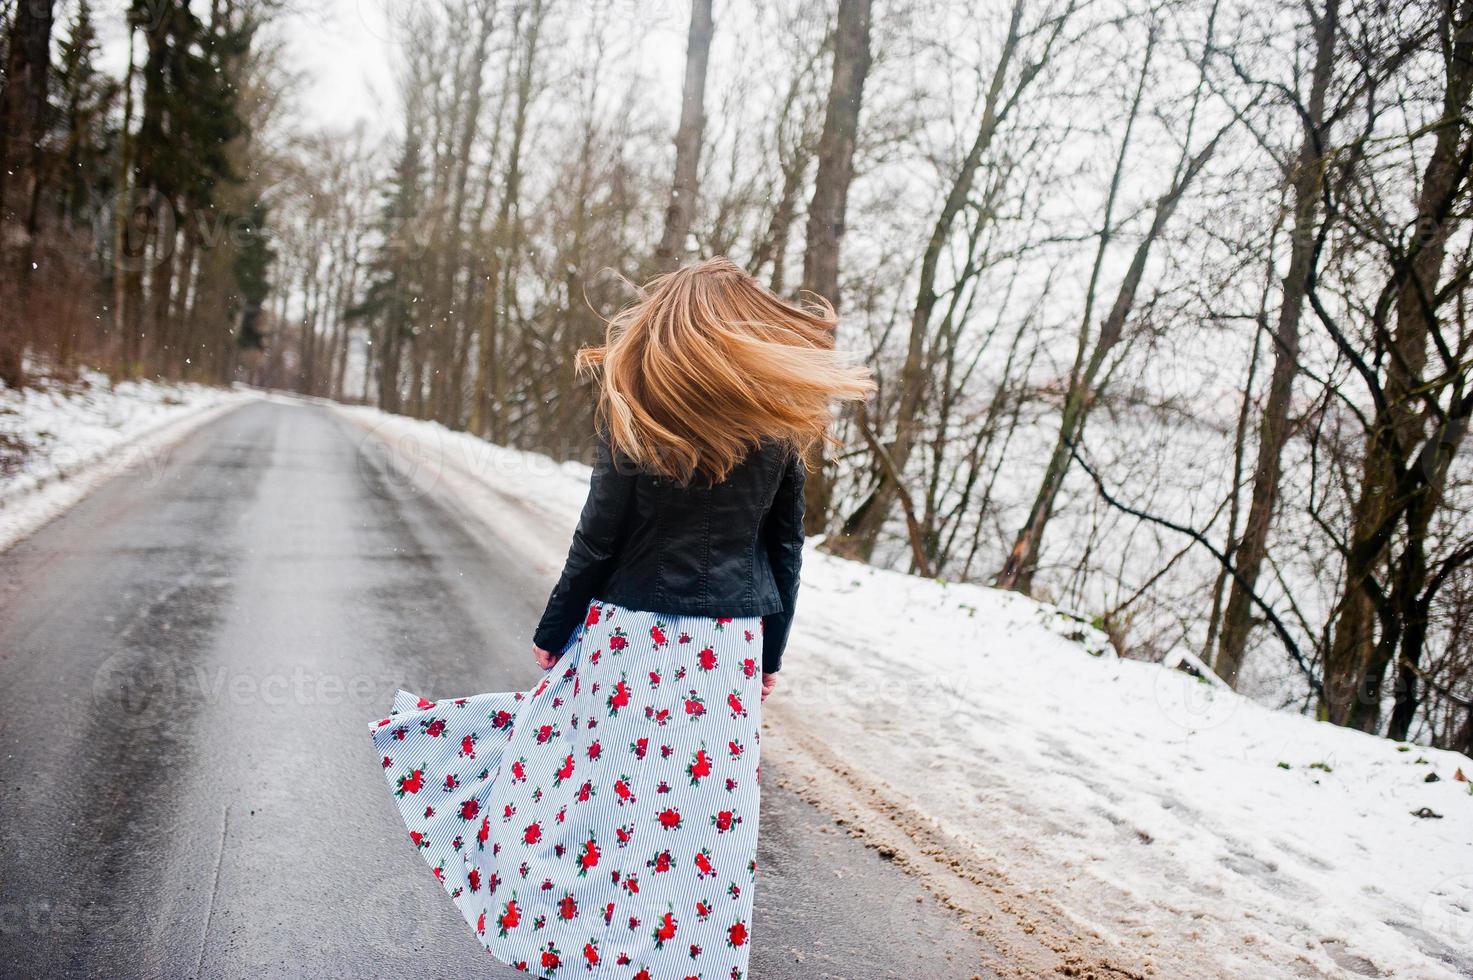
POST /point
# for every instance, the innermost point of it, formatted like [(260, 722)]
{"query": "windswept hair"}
[(707, 364)]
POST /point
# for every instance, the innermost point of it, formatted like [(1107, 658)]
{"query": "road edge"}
[(38, 506)]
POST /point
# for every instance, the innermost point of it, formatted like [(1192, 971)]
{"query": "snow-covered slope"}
[(1154, 808), (58, 440)]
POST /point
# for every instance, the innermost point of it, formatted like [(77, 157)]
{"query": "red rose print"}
[(589, 859), (665, 931), (411, 783), (565, 771), (546, 771), (699, 767), (511, 916), (618, 698)]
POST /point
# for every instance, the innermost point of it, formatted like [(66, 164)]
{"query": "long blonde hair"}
[(708, 363)]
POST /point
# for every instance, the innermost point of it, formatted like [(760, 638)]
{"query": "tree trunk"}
[(22, 124), (831, 195), (487, 408), (681, 211), (1354, 669), (836, 150), (1274, 427)]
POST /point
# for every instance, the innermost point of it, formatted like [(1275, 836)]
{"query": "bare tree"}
[(1095, 350), (1304, 177), (831, 191), (1419, 423), (1003, 94), (688, 137)]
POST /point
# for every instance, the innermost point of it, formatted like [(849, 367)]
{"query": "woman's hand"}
[(769, 681), (545, 660)]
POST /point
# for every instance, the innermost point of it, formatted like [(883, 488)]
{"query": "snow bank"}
[(1155, 808), (58, 441)]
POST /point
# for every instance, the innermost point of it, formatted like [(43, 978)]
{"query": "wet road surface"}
[(189, 659)]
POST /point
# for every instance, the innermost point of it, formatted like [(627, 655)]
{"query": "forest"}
[(1168, 300)]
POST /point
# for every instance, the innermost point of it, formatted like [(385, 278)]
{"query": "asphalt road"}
[(188, 661)]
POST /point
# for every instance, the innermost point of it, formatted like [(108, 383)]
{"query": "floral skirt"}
[(604, 824)]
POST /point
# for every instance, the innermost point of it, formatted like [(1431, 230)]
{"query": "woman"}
[(605, 823)]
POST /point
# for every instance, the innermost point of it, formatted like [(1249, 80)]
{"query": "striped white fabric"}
[(603, 824)]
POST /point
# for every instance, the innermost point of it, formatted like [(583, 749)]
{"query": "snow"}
[(58, 440), (1157, 809)]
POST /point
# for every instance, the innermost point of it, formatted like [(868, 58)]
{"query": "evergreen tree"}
[(84, 95), (393, 290)]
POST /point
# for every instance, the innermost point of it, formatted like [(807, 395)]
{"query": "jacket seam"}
[(706, 547)]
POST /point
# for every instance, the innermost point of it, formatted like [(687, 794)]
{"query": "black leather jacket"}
[(646, 542)]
